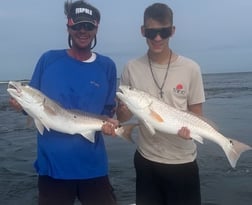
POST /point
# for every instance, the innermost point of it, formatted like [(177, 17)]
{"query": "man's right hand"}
[(15, 105)]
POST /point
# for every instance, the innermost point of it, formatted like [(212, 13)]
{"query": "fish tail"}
[(234, 149), (125, 131)]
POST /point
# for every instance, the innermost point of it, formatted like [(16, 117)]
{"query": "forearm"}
[(196, 109)]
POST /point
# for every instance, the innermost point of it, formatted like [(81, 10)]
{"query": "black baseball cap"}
[(80, 11)]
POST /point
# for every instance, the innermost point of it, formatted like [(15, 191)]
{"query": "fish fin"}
[(156, 116), (125, 131), (149, 127), (45, 125), (89, 135), (197, 138), (39, 126), (233, 149)]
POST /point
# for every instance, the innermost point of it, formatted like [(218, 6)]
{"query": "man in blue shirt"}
[(70, 166)]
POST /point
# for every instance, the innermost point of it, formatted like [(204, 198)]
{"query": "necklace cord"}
[(166, 74)]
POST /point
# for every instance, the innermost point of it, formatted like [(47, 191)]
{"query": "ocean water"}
[(228, 105)]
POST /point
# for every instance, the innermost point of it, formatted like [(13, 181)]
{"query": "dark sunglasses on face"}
[(151, 33), (86, 26)]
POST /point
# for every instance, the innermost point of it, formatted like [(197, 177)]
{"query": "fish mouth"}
[(120, 93), (14, 86), (120, 90), (123, 89), (11, 85)]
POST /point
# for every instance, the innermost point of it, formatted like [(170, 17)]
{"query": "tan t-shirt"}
[(182, 87)]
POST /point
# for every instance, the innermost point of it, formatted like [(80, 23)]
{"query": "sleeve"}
[(125, 76), (37, 73), (196, 93)]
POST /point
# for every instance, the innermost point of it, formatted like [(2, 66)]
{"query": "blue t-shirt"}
[(84, 86)]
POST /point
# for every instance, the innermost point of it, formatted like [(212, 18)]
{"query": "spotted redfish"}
[(48, 114), (157, 115)]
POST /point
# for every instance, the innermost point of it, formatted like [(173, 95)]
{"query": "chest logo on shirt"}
[(94, 83), (179, 89)]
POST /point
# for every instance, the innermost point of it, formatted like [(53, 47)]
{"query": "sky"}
[(217, 34)]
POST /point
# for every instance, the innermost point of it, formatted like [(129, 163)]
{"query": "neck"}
[(160, 87), (80, 55), (160, 58)]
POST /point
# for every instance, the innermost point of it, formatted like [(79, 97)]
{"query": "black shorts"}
[(163, 184), (95, 191)]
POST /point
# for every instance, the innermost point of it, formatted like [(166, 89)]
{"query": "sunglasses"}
[(151, 33), (86, 26)]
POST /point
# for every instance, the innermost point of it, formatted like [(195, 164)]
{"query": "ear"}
[(142, 31), (173, 31), (96, 30)]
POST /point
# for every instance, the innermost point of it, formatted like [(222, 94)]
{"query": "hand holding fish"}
[(15, 104), (108, 128), (47, 114), (184, 132), (156, 115)]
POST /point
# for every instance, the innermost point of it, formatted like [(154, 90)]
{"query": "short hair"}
[(159, 12)]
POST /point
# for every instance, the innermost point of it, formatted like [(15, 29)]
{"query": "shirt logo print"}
[(95, 83), (179, 89)]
